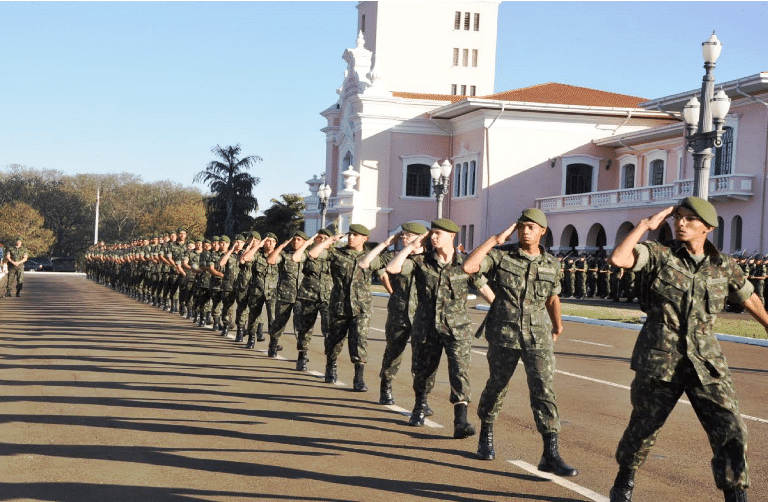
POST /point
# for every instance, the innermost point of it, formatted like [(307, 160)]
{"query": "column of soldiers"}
[(226, 283)]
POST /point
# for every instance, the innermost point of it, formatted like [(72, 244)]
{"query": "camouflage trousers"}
[(228, 300), (256, 304), (215, 302), (356, 328), (580, 284), (539, 369), (203, 300), (304, 317), (283, 312), (717, 408), (15, 278), (428, 344), (397, 331), (241, 312)]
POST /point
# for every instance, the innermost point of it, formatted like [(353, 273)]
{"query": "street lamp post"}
[(705, 120), (324, 194), (440, 182)]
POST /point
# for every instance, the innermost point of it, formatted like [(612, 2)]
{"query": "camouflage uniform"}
[(261, 291), (604, 278), (350, 302), (569, 278), (440, 322), (289, 280), (15, 274), (228, 293), (519, 326), (677, 352), (312, 298), (580, 278)]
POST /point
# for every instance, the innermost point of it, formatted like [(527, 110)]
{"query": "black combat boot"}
[(302, 360), (330, 370), (385, 392), (417, 415), (274, 348), (427, 410), (174, 306), (251, 340), (735, 495), (485, 449), (358, 384), (18, 290), (216, 324), (183, 312), (461, 427), (7, 294), (239, 335), (550, 459), (260, 332), (623, 485), (224, 328)]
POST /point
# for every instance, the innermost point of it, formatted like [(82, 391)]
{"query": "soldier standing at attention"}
[(350, 302), (401, 308), (581, 276), (441, 320), (15, 258), (570, 277), (289, 280), (682, 288), (312, 298), (524, 322)]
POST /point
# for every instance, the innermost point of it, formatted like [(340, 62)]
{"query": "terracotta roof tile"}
[(562, 94)]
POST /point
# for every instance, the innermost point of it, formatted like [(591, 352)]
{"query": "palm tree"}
[(232, 188)]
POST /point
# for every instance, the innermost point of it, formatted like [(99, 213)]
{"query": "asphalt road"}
[(107, 399)]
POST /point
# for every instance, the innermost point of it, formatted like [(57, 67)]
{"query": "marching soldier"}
[(15, 257), (289, 279)]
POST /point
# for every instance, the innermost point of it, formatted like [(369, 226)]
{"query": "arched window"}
[(736, 233), (724, 154), (578, 179), (628, 176), (657, 172), (418, 180)]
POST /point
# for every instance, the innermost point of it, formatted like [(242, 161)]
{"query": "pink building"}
[(596, 162)]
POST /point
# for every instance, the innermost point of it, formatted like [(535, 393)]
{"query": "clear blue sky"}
[(149, 88)]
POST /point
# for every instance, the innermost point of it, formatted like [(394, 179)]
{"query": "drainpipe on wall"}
[(629, 116), (450, 155), (487, 166), (765, 167)]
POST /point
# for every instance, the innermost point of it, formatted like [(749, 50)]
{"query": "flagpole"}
[(96, 226)]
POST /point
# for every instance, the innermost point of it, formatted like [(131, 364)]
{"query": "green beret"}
[(225, 238), (169, 232), (535, 215), (270, 234), (414, 228), (701, 208), (445, 224), (239, 237), (301, 234), (215, 238), (326, 232), (180, 230), (198, 239), (18, 238), (256, 235), (206, 241), (359, 229)]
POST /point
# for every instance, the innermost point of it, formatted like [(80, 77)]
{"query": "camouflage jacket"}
[(243, 277), (289, 277), (16, 254), (231, 271), (682, 299), (216, 280), (205, 276), (442, 294), (518, 317), (317, 283), (178, 251), (403, 300), (351, 294), (263, 276)]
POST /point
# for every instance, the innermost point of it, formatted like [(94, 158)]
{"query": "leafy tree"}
[(284, 217), (22, 220), (232, 202), (189, 214)]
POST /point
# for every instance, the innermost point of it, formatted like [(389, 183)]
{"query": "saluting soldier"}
[(289, 279), (312, 297), (523, 322), (15, 257), (683, 286), (261, 291), (206, 260), (441, 321), (229, 262), (242, 285)]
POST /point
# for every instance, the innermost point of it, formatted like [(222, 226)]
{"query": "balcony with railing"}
[(729, 186)]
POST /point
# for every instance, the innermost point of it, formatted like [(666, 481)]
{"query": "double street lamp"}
[(324, 194), (441, 175), (704, 121)]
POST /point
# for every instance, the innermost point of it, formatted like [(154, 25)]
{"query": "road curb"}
[(636, 327)]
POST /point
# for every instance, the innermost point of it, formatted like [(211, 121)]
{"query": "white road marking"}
[(481, 352), (403, 411), (322, 375), (626, 387), (378, 329), (590, 343), (585, 492)]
